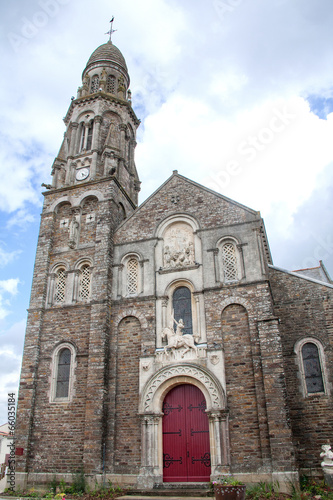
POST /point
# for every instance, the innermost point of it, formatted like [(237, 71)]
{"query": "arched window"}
[(229, 261), (60, 286), (132, 276), (111, 84), (82, 136), (94, 84), (312, 368), (182, 307), (85, 282), (89, 137), (63, 373)]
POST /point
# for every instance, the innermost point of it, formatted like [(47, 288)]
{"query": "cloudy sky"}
[(234, 94)]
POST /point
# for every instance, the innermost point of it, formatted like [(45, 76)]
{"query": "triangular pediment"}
[(179, 194)]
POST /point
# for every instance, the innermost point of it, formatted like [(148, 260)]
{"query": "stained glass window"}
[(182, 306), (312, 368), (64, 363)]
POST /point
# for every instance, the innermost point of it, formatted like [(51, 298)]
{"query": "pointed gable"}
[(181, 195)]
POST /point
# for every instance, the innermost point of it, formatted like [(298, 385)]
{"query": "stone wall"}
[(305, 310)]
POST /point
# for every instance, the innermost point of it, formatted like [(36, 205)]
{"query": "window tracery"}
[(111, 84), (85, 282), (132, 276), (60, 286), (94, 84), (229, 259)]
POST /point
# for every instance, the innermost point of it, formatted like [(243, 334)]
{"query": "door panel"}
[(186, 456)]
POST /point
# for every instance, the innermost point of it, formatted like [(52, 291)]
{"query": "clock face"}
[(82, 174)]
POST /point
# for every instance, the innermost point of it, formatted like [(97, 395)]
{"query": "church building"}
[(162, 344)]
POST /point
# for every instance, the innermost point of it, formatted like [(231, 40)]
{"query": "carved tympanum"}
[(178, 246)]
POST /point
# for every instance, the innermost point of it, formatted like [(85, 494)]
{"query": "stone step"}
[(173, 490)]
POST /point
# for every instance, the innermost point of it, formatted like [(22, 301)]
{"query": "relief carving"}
[(178, 246), (216, 394)]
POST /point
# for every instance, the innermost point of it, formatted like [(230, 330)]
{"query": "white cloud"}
[(11, 347), (7, 287)]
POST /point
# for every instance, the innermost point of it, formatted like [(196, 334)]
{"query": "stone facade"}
[(104, 291)]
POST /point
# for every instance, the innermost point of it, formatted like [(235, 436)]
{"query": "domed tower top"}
[(107, 56)]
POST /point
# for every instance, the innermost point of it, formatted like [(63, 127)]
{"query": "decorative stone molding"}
[(187, 372), (240, 301), (132, 312)]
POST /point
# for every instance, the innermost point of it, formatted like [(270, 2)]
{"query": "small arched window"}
[(182, 307), (94, 84), (85, 282), (312, 368), (132, 269), (111, 84), (229, 261), (89, 136), (63, 373), (60, 286), (82, 136)]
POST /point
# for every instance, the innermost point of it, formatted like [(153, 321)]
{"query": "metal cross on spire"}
[(111, 29)]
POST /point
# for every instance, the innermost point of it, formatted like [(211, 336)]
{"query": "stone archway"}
[(151, 414)]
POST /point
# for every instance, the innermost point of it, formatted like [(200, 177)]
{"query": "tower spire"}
[(111, 30)]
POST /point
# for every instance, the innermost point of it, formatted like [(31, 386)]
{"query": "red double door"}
[(186, 450)]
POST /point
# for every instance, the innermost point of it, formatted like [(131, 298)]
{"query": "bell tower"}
[(99, 141), (65, 379)]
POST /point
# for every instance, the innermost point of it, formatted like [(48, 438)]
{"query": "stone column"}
[(240, 250), (76, 284), (119, 283), (197, 308), (122, 129), (96, 131), (164, 311), (216, 265), (150, 473), (78, 139), (50, 292), (219, 442), (74, 130), (94, 145)]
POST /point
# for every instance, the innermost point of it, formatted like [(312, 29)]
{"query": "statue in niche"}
[(177, 339), (179, 247), (73, 232)]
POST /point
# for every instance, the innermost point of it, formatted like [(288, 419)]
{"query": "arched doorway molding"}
[(150, 410)]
